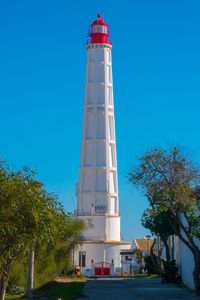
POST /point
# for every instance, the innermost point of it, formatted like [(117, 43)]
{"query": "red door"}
[(102, 269)]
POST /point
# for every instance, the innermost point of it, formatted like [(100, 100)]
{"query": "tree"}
[(137, 253), (51, 259), (168, 178), (157, 222), (28, 215)]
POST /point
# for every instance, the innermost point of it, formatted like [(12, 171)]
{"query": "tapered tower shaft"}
[(98, 186)]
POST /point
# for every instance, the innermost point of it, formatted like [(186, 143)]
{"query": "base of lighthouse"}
[(92, 256), (102, 246), (101, 227)]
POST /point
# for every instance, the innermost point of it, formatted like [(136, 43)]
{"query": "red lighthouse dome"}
[(99, 32)]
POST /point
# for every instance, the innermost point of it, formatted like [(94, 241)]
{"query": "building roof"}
[(99, 21), (107, 242), (143, 243)]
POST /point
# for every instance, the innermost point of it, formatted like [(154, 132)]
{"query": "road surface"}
[(134, 289)]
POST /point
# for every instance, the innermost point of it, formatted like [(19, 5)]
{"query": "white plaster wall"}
[(186, 263), (105, 228), (98, 184), (112, 228), (96, 232), (134, 244), (100, 253), (185, 260)]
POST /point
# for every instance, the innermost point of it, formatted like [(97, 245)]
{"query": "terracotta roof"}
[(143, 243), (107, 242)]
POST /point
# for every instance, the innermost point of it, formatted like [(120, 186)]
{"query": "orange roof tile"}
[(143, 243)]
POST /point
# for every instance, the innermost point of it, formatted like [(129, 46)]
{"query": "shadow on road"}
[(136, 288)]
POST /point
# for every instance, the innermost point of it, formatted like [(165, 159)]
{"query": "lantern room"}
[(99, 32)]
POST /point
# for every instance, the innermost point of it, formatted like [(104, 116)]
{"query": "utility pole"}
[(148, 238)]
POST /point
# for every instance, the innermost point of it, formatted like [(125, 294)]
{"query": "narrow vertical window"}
[(82, 258)]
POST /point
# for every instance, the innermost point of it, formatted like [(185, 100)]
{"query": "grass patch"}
[(153, 276), (140, 275), (143, 275), (56, 289)]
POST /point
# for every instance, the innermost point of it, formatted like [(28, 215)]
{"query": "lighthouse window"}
[(99, 28), (82, 258)]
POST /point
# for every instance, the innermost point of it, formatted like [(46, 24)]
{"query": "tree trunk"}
[(164, 239), (4, 280), (196, 272), (2, 288), (31, 273), (155, 260)]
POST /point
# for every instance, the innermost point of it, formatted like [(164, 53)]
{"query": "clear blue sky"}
[(156, 72)]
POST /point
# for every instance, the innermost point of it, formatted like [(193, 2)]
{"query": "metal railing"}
[(99, 212), (109, 42), (98, 29)]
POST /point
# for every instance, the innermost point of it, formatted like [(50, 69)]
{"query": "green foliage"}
[(28, 212), (50, 260), (137, 253), (148, 265), (152, 276), (169, 179), (157, 222), (32, 218)]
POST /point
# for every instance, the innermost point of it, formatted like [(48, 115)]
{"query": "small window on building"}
[(128, 257), (82, 258)]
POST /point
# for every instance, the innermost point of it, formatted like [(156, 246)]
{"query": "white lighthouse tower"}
[(97, 194)]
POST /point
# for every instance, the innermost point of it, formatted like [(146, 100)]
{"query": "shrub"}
[(148, 265), (170, 273)]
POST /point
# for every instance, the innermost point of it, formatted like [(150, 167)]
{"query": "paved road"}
[(134, 289)]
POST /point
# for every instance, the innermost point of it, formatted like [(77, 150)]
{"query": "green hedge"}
[(49, 263)]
